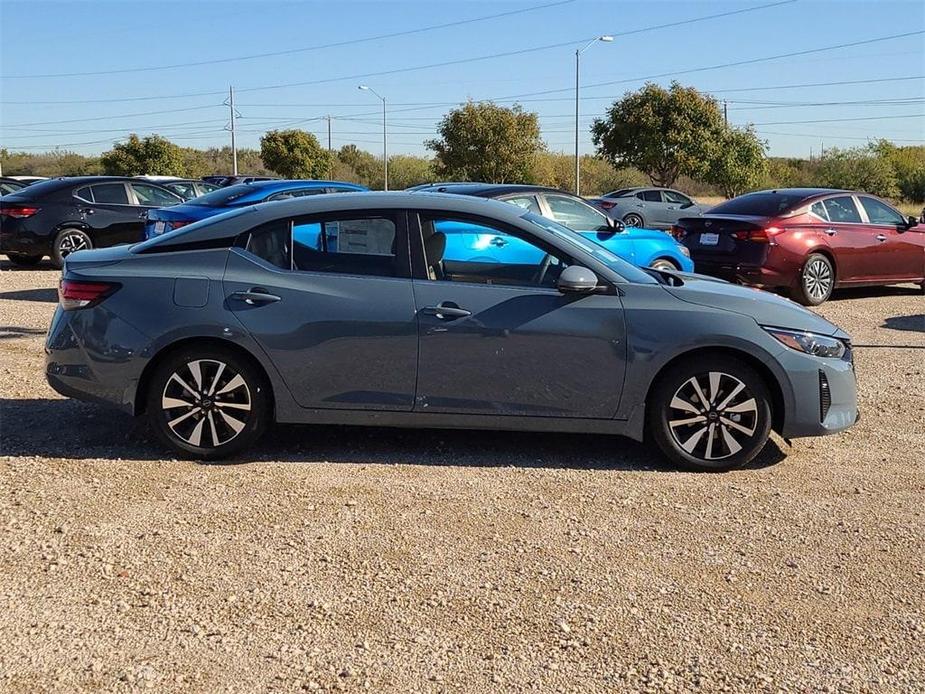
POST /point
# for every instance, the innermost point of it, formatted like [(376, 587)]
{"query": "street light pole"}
[(578, 51), (385, 145)]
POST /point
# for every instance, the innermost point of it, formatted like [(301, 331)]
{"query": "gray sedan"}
[(351, 309), (651, 208)]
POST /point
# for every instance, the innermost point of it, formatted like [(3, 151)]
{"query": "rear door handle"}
[(831, 232), (498, 242), (256, 296), (881, 237), (446, 312)]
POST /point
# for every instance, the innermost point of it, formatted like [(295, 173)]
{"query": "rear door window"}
[(818, 209), (650, 195), (364, 245), (84, 194), (526, 202), (112, 193), (842, 210), (575, 214)]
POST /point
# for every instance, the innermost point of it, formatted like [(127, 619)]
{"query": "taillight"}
[(179, 223), (756, 235), (606, 205), (676, 232), (73, 294), (17, 211)]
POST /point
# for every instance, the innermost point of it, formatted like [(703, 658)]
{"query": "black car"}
[(189, 188), (225, 181), (63, 215), (10, 185)]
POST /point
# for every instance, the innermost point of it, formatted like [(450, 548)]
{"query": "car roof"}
[(270, 186), (804, 192), (487, 190)]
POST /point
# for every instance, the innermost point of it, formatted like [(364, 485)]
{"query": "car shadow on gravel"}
[(76, 430), (46, 294), (13, 331), (875, 292), (914, 323), (44, 265)]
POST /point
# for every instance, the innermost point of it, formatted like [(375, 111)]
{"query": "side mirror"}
[(911, 222), (577, 279), (617, 225)]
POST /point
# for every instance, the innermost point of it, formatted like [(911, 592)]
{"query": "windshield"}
[(629, 272), (769, 204), (222, 196)]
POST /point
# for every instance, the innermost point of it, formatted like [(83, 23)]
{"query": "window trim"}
[(419, 261)]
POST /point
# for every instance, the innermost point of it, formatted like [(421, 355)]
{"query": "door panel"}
[(851, 243), (111, 217), (339, 341), (901, 253), (518, 351)]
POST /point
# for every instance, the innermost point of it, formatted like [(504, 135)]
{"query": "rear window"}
[(619, 193), (759, 204), (222, 196)]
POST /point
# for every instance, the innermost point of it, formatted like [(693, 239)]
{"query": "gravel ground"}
[(347, 559)]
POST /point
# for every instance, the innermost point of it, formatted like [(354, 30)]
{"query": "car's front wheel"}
[(710, 414), (208, 403), (664, 264)]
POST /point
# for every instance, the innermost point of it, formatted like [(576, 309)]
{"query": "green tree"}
[(909, 165), (366, 168), (858, 169), (152, 155), (294, 154), (664, 133), (486, 142), (406, 171), (738, 164)]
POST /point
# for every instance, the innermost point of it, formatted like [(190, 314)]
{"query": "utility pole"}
[(725, 113), (385, 146), (606, 38), (234, 149), (330, 151)]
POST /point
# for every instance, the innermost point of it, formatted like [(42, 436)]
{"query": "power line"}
[(415, 68), (305, 49), (840, 120)]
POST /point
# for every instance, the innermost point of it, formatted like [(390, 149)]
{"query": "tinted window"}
[(184, 190), (879, 213), (759, 204), (842, 209), (650, 195), (619, 193), (113, 193), (151, 196), (222, 196), (358, 246), (818, 209), (460, 250), (526, 202), (84, 193), (676, 198), (342, 189), (575, 214)]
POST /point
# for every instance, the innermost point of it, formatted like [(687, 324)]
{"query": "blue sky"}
[(185, 104)]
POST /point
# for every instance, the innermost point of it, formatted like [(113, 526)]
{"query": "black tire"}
[(816, 281), (664, 264), (66, 242), (237, 419), (634, 220), (688, 445), (24, 260)]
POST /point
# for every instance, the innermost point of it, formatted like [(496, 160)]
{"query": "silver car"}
[(651, 208), (352, 309)]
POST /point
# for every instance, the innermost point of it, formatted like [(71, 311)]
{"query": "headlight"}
[(684, 250), (810, 343)]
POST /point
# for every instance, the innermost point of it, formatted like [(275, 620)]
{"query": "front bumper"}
[(824, 395)]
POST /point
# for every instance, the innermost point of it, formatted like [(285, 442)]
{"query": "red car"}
[(806, 240)]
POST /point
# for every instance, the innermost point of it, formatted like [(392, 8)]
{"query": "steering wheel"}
[(544, 267)]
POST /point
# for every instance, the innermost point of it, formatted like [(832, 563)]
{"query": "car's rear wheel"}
[(208, 403), (710, 414), (817, 280), (24, 260), (664, 264), (633, 220), (69, 241)]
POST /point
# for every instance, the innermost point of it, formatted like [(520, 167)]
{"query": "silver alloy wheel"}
[(71, 243), (633, 220), (712, 416), (206, 401), (817, 279)]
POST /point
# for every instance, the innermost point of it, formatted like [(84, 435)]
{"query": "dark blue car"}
[(241, 195)]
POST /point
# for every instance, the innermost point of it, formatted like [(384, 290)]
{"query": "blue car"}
[(236, 196), (642, 247)]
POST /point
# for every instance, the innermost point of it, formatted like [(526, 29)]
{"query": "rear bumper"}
[(745, 273), (24, 243)]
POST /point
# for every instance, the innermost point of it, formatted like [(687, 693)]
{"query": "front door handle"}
[(831, 232), (446, 312), (881, 237), (86, 210), (256, 296)]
